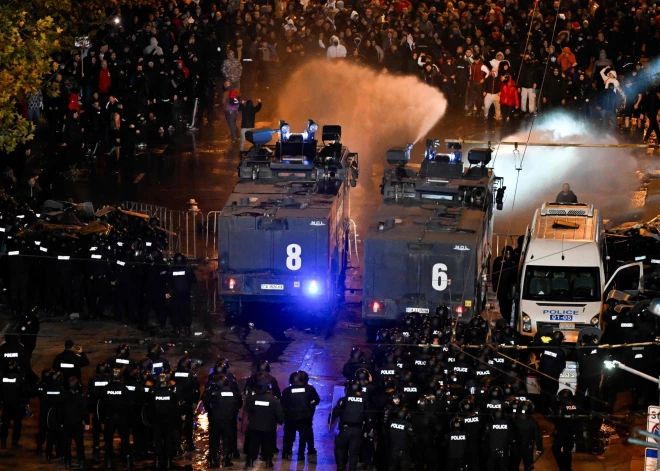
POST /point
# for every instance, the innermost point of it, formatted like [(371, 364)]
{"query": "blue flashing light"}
[(313, 287)]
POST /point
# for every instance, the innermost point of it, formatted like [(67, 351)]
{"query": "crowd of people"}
[(436, 394), (147, 65)]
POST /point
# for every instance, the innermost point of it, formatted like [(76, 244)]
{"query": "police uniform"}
[(50, 399), (70, 364), (527, 434), (562, 446), (299, 402), (352, 413), (181, 281), (222, 404), (265, 413), (72, 413), (156, 279), (13, 350), (401, 436), (498, 438), (187, 389), (28, 329), (115, 408), (15, 396), (164, 412), (456, 450), (552, 363), (95, 389)]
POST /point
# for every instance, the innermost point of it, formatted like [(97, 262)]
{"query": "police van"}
[(563, 272)]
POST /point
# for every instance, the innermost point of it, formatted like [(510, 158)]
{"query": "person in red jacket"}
[(104, 79), (509, 98)]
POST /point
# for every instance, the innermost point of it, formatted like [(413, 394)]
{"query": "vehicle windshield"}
[(562, 283)]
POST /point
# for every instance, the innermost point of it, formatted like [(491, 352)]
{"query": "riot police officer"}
[(163, 412), (474, 426), (46, 377), (590, 363), (222, 404), (562, 446), (503, 276), (551, 364), (354, 419), (49, 402), (28, 329), (299, 402), (187, 388), (95, 389), (263, 369), (139, 398), (400, 438), (426, 427), (455, 446), (498, 439), (181, 280), (527, 434), (70, 361), (265, 413), (115, 409), (15, 396), (155, 289), (354, 363), (12, 350), (73, 418), (122, 360), (159, 364)]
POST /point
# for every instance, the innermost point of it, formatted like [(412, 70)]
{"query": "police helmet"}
[(409, 321), (222, 361), (264, 366), (132, 372), (162, 380), (352, 388), (223, 382), (154, 351), (102, 368), (363, 376), (304, 377), (116, 375), (12, 367), (387, 383), (557, 337), (57, 378), (74, 384), (424, 344), (47, 375), (221, 369), (396, 397), (466, 405), (441, 392), (423, 404), (454, 378), (146, 377), (262, 383), (507, 390), (498, 413), (456, 423), (382, 336), (146, 364), (294, 379), (495, 393), (357, 354), (123, 351), (406, 377), (179, 259), (185, 364), (475, 321), (389, 358), (402, 413), (565, 395), (527, 407), (442, 311)]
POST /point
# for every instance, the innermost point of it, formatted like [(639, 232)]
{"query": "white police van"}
[(562, 277)]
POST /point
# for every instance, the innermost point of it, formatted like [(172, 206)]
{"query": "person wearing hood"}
[(567, 59), (153, 48), (248, 116), (600, 64), (494, 63), (581, 93), (609, 77), (528, 82), (555, 90), (232, 70), (509, 98)]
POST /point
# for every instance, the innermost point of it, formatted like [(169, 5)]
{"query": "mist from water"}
[(377, 111), (605, 177)]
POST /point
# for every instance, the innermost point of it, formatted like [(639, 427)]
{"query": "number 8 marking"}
[(439, 281), (293, 260)]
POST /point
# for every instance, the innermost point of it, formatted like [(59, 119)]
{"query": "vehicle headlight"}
[(526, 319), (595, 321)]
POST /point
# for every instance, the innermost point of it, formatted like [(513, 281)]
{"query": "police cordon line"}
[(153, 404)]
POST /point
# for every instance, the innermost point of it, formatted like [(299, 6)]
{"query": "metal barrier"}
[(353, 244), (502, 240), (181, 226), (211, 228)]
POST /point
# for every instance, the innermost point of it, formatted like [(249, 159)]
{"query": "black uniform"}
[(426, 427), (115, 408), (456, 450), (50, 399), (498, 438), (187, 388), (181, 281), (15, 396), (73, 416), (70, 363), (562, 446), (222, 406), (28, 330), (353, 414), (265, 413), (13, 350), (299, 403), (95, 390), (552, 363), (527, 434), (350, 367), (400, 439), (164, 413), (590, 362), (156, 279), (250, 384)]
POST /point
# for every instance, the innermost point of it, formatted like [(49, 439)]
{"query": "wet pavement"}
[(203, 166)]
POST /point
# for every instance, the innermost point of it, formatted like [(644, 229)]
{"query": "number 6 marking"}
[(293, 260), (439, 281)]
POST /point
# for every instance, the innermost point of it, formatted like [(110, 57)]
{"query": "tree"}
[(25, 46)]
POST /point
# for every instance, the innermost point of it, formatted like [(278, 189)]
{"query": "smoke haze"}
[(605, 177), (376, 111)]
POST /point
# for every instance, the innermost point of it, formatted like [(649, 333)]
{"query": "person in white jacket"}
[(336, 50)]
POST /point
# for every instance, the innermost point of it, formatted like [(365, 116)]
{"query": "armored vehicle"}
[(429, 245), (282, 235)]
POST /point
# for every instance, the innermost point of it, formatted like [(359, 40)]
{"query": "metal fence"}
[(183, 226)]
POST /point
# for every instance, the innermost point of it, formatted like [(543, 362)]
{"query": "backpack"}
[(233, 97)]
